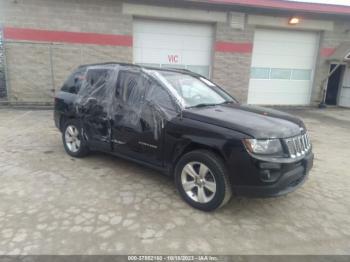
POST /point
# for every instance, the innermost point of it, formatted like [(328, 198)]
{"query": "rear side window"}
[(74, 81)]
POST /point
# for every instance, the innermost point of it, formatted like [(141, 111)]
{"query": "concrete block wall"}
[(328, 40), (103, 16), (37, 71), (28, 70), (30, 64), (231, 70)]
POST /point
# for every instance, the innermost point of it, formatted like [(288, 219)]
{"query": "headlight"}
[(264, 147)]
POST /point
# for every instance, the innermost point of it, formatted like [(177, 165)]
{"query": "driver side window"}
[(159, 97), (130, 89)]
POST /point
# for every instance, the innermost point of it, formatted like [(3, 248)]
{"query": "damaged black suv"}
[(183, 124)]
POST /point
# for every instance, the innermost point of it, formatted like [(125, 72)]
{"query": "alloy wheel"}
[(72, 138), (198, 182)]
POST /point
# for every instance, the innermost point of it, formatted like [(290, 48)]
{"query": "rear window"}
[(74, 81), (97, 82)]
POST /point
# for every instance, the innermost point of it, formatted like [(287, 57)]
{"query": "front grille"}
[(298, 145)]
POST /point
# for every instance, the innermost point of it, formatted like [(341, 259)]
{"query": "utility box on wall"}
[(3, 92)]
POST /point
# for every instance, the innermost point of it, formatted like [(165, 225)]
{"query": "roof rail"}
[(174, 69), (110, 63), (178, 69), (184, 70)]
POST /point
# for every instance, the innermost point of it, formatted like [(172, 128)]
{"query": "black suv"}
[(183, 124)]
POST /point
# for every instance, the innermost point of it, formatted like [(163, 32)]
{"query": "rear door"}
[(94, 103)]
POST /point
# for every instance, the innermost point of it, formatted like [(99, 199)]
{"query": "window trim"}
[(281, 79)]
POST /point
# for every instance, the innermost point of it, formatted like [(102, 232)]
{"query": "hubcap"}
[(198, 182), (72, 138)]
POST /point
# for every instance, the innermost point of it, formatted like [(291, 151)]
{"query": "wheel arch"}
[(213, 160), (193, 146), (63, 120)]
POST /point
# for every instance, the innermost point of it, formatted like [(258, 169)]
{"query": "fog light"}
[(265, 175)]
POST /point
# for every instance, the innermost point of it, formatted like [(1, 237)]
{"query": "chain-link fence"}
[(35, 71)]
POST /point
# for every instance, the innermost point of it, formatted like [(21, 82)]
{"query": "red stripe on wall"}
[(25, 34), (326, 52), (229, 47)]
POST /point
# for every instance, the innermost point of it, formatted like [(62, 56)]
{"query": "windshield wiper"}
[(202, 105), (210, 104), (227, 102)]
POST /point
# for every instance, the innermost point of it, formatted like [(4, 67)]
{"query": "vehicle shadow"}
[(237, 207)]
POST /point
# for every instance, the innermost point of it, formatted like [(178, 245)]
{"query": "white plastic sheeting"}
[(128, 95)]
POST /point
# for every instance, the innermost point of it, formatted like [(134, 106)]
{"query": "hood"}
[(258, 122)]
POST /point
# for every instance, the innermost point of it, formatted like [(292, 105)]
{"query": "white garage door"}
[(344, 99), (283, 64), (173, 44)]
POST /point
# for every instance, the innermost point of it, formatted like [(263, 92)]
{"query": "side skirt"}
[(163, 170)]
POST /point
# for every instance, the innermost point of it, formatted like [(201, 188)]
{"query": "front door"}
[(139, 119), (344, 97)]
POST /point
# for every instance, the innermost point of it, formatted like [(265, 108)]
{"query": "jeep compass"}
[(186, 126)]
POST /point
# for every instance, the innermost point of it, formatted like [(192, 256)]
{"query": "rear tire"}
[(202, 180), (73, 139)]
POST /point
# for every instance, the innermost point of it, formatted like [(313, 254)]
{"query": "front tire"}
[(73, 139), (202, 180)]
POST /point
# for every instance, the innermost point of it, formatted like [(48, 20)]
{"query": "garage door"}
[(282, 70), (173, 44), (344, 98)]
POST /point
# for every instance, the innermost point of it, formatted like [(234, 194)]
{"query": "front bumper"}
[(288, 181)]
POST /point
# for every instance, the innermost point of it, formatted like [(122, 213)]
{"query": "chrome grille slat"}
[(308, 139), (305, 141), (298, 146), (302, 145)]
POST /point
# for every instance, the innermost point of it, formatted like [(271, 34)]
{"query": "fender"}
[(184, 135)]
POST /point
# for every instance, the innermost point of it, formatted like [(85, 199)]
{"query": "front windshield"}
[(194, 92)]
